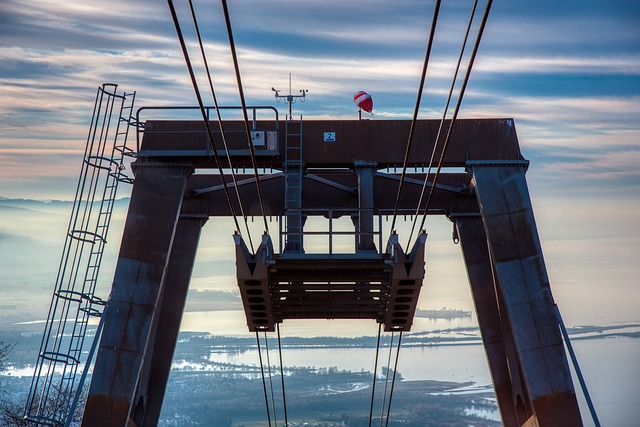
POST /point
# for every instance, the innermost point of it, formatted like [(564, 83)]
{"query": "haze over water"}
[(577, 267)]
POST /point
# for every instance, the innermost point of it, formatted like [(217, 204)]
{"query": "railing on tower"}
[(329, 238), (64, 345), (193, 113)]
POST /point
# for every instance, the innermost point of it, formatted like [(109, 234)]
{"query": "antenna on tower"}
[(290, 99)]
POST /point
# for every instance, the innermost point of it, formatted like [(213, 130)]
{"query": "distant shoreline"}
[(223, 300), (410, 340), (443, 313)]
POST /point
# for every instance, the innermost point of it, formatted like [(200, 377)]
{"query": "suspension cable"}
[(264, 383), (194, 82), (416, 109), (444, 116), (576, 367), (457, 109), (386, 379), (393, 380), (273, 400), (220, 123), (284, 398), (375, 375), (234, 56)]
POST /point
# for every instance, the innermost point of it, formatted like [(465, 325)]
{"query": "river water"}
[(610, 365)]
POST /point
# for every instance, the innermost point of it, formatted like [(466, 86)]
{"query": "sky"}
[(567, 72)]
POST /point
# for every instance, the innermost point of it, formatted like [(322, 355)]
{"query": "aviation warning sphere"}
[(363, 100)]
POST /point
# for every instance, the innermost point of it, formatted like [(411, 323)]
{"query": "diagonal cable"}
[(425, 65), (264, 383), (393, 380), (458, 103), (441, 125), (220, 123), (284, 397), (386, 379), (244, 112), (375, 374), (194, 82), (273, 400)]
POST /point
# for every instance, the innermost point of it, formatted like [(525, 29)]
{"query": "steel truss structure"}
[(346, 168)]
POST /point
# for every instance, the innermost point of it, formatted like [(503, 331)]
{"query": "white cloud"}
[(60, 52), (591, 118), (569, 64)]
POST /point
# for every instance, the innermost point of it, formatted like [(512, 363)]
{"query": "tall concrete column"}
[(521, 276), (140, 271), (473, 241)]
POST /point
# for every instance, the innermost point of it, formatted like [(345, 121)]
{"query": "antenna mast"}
[(290, 99)]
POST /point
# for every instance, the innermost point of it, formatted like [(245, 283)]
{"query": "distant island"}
[(443, 313)]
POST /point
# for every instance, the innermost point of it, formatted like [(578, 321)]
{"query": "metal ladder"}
[(74, 302), (293, 171)]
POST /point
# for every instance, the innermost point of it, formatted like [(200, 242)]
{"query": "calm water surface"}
[(610, 365)]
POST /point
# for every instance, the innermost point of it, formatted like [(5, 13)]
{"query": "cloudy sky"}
[(568, 73)]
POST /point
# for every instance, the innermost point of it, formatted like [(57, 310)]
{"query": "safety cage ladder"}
[(63, 349)]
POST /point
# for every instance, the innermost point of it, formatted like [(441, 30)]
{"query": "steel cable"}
[(264, 383), (393, 380), (220, 123), (234, 56), (273, 400), (375, 375), (194, 82), (441, 125), (284, 397), (425, 65), (386, 380), (474, 52)]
